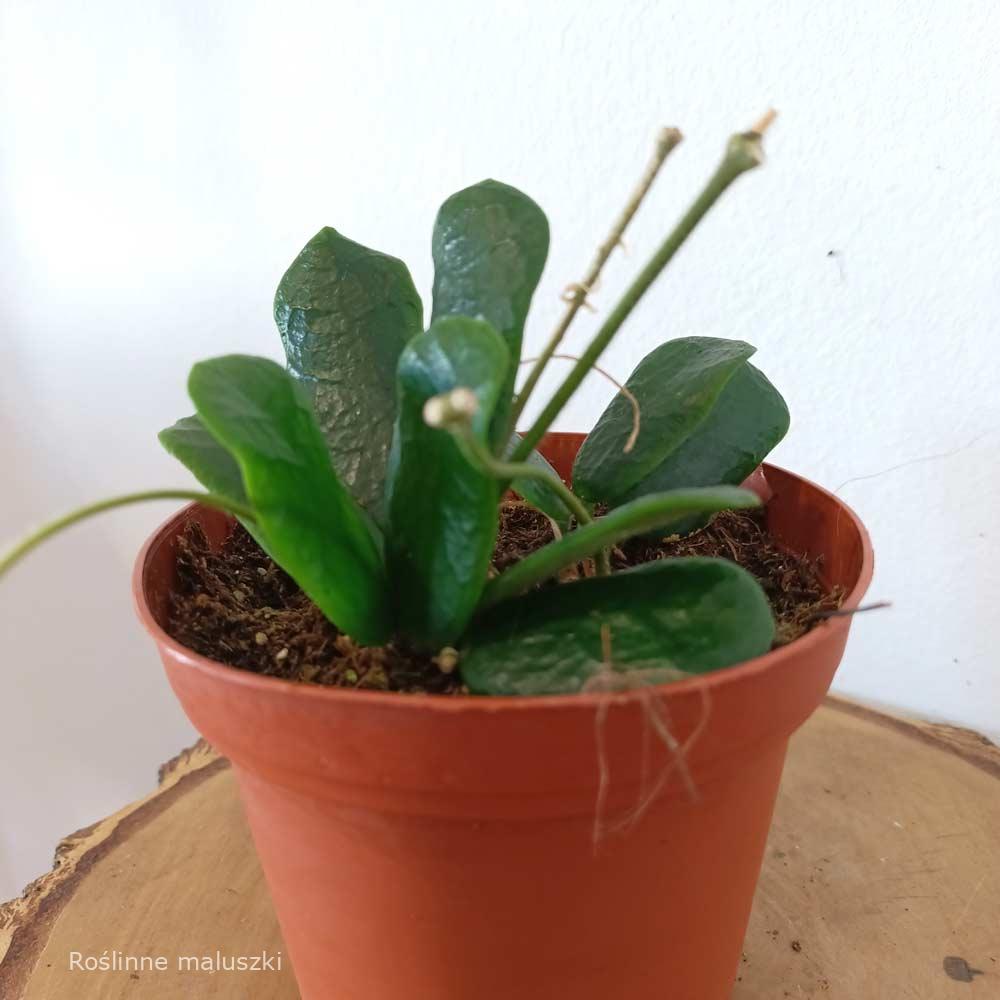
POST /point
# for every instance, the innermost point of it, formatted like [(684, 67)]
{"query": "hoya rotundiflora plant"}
[(371, 468)]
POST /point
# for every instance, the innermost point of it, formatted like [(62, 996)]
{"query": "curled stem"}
[(453, 413), (743, 153), (576, 295), (81, 513), (623, 389), (477, 454)]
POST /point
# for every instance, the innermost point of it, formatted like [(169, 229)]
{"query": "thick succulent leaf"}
[(748, 420), (489, 245), (345, 313), (442, 511), (677, 386), (688, 615), (190, 443), (313, 527), (659, 510), (535, 492)]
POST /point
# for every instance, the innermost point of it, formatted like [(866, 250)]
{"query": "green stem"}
[(667, 140), (477, 454), (742, 153), (658, 510), (81, 513)]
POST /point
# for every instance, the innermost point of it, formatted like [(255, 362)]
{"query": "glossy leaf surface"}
[(345, 313), (677, 385), (689, 615), (489, 245), (189, 441), (749, 418), (442, 511), (312, 525)]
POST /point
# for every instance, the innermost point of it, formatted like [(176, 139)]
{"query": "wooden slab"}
[(882, 881)]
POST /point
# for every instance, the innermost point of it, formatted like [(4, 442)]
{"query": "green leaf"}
[(442, 511), (660, 510), (190, 443), (489, 245), (749, 418), (313, 527), (535, 492), (688, 615), (676, 386), (345, 313)]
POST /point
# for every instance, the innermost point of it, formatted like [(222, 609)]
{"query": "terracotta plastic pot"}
[(442, 848)]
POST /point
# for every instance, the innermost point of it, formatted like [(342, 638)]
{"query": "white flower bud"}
[(451, 409)]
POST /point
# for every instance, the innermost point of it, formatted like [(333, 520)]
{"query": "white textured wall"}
[(161, 163)]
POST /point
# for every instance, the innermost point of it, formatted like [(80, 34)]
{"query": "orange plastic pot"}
[(442, 848)]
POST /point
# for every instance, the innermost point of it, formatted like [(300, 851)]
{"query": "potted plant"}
[(584, 815)]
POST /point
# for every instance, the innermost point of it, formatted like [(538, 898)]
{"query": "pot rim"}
[(801, 647)]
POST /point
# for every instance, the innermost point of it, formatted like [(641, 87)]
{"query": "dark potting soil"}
[(238, 607)]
